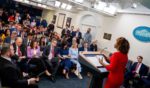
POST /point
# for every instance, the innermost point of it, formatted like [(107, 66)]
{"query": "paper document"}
[(95, 60)]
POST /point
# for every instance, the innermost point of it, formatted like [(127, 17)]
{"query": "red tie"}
[(19, 52)]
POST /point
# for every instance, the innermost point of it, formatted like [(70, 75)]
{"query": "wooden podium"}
[(91, 62)]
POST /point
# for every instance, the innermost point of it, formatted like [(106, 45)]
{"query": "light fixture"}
[(68, 7), (110, 9), (44, 6), (134, 5), (39, 0), (19, 0), (40, 5), (26, 1), (63, 5), (100, 5), (57, 3), (80, 1)]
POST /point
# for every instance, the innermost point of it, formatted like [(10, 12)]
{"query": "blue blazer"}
[(7, 40)]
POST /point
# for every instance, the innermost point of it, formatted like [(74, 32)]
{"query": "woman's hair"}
[(122, 45), (42, 43), (6, 32), (64, 44), (32, 44)]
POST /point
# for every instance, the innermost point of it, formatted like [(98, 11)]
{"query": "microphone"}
[(103, 50)]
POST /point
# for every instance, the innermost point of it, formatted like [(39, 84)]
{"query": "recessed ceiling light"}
[(110, 9), (26, 1), (57, 3), (39, 5), (80, 1), (134, 5), (68, 7), (63, 6), (39, 0)]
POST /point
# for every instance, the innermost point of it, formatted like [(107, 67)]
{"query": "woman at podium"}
[(117, 65)]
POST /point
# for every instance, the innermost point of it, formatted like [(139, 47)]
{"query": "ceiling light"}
[(19, 0), (40, 5), (63, 6), (39, 0), (80, 1), (100, 5), (44, 6), (134, 5), (26, 1), (68, 7), (110, 9), (57, 3)]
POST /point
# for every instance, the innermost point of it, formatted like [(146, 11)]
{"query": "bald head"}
[(18, 41)]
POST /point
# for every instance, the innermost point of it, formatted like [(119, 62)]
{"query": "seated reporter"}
[(85, 47), (20, 52), (74, 55), (50, 57), (11, 76), (93, 46), (138, 69), (65, 59), (33, 54)]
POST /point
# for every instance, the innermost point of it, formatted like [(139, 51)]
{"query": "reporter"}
[(10, 75)]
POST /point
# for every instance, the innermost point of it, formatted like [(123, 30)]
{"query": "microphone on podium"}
[(103, 50)]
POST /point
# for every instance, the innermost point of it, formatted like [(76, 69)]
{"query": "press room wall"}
[(123, 25), (120, 25)]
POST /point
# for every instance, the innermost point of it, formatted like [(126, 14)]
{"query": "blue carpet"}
[(61, 82)]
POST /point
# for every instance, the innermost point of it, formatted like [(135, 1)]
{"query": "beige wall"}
[(120, 25)]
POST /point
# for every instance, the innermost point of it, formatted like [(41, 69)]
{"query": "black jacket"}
[(10, 75)]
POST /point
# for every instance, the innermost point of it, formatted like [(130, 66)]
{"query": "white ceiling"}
[(123, 6)]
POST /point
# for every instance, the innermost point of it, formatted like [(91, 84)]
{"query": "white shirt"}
[(50, 56), (138, 69), (16, 50), (7, 58)]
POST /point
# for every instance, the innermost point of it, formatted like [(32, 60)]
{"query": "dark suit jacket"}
[(93, 47), (46, 52), (65, 34), (78, 37), (82, 49), (22, 49), (143, 70), (11, 75)]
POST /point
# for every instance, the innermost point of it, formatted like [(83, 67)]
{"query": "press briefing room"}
[(74, 43)]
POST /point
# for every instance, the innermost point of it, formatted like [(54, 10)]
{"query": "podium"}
[(91, 62)]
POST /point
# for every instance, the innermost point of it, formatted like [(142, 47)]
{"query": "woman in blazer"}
[(118, 62)]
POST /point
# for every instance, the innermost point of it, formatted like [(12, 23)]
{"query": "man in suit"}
[(93, 46), (65, 32), (138, 69), (85, 47), (10, 75), (50, 56), (20, 52), (78, 35), (27, 41)]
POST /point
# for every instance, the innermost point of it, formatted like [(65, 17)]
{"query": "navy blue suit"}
[(82, 49), (131, 74)]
